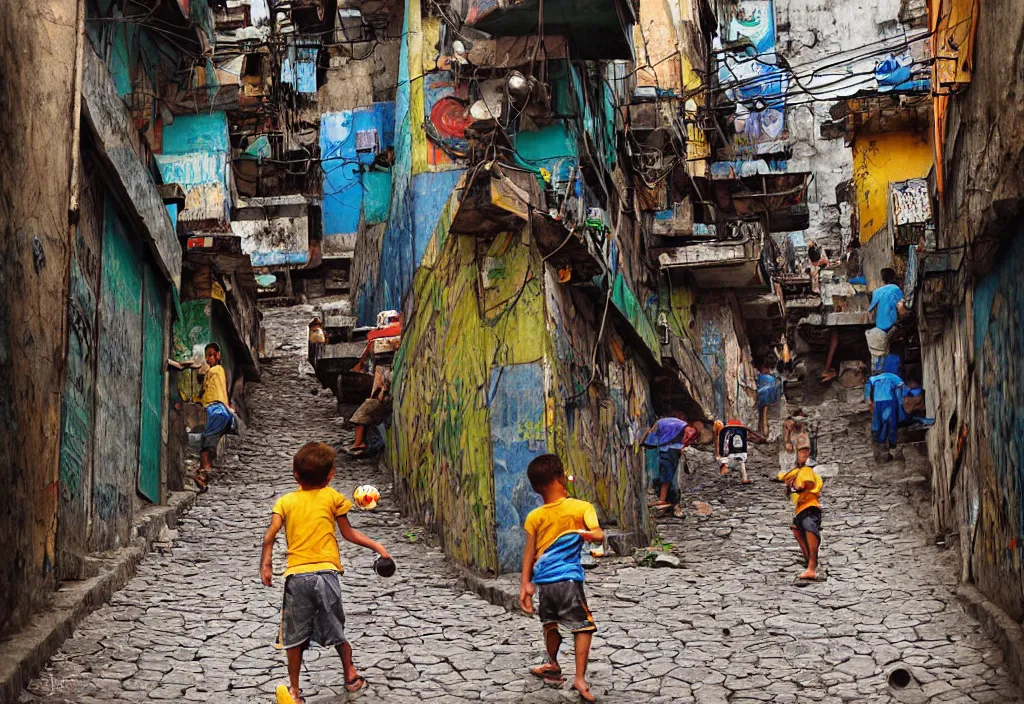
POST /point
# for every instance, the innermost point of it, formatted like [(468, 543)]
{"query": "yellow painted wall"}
[(881, 159)]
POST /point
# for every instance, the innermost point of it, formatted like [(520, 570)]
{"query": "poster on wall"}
[(752, 79)]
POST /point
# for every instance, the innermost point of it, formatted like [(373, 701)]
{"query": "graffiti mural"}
[(517, 436), (753, 79), (999, 351)]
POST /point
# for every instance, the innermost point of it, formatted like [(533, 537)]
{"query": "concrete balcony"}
[(274, 231), (720, 264), (780, 200)]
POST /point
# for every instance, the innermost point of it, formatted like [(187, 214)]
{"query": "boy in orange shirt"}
[(804, 486), (555, 534), (312, 607)]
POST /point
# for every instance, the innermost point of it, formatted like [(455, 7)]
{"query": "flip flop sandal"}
[(748, 481), (678, 512), (355, 684), (284, 696), (201, 482)]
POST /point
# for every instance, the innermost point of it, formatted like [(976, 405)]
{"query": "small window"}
[(253, 65)]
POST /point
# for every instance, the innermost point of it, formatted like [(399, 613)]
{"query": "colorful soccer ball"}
[(366, 497)]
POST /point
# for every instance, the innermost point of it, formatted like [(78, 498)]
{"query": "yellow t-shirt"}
[(215, 386), (309, 519), (549, 522), (798, 477)]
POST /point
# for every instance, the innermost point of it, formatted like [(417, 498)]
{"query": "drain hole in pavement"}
[(899, 678), (726, 632)]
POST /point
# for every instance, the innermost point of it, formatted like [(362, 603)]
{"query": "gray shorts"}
[(565, 604), (312, 610), (808, 521)]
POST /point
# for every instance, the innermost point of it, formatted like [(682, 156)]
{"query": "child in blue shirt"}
[(883, 393)]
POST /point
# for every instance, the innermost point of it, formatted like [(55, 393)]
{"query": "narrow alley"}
[(195, 624)]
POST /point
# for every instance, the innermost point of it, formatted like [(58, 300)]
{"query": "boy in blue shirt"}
[(882, 391), (555, 534), (887, 302)]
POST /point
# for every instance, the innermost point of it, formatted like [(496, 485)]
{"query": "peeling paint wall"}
[(495, 368), (196, 155), (813, 30), (77, 440), (726, 356), (36, 68), (118, 388)]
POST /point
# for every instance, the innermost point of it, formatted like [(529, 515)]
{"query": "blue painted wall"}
[(999, 351), (196, 150), (414, 214), (517, 436), (345, 169)]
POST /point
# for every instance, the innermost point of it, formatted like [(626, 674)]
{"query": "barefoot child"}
[(804, 485), (555, 534), (670, 436), (220, 417), (312, 607)]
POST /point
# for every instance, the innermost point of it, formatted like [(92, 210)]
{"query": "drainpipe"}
[(76, 117)]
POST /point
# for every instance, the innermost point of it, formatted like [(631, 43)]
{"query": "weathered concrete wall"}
[(37, 57), (809, 31), (973, 368), (78, 399)]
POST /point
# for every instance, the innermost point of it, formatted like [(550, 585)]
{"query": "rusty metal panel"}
[(118, 391)]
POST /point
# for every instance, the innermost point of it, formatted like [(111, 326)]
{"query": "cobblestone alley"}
[(195, 624)]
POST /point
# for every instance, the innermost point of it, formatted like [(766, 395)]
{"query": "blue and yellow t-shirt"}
[(555, 529)]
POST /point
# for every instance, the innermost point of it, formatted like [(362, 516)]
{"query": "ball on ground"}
[(366, 497)]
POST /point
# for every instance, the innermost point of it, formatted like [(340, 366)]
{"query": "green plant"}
[(661, 544)]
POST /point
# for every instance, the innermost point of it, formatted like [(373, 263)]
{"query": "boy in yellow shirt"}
[(555, 534), (804, 486), (312, 607), (220, 417)]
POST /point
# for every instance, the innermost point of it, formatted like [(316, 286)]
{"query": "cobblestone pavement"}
[(729, 626)]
